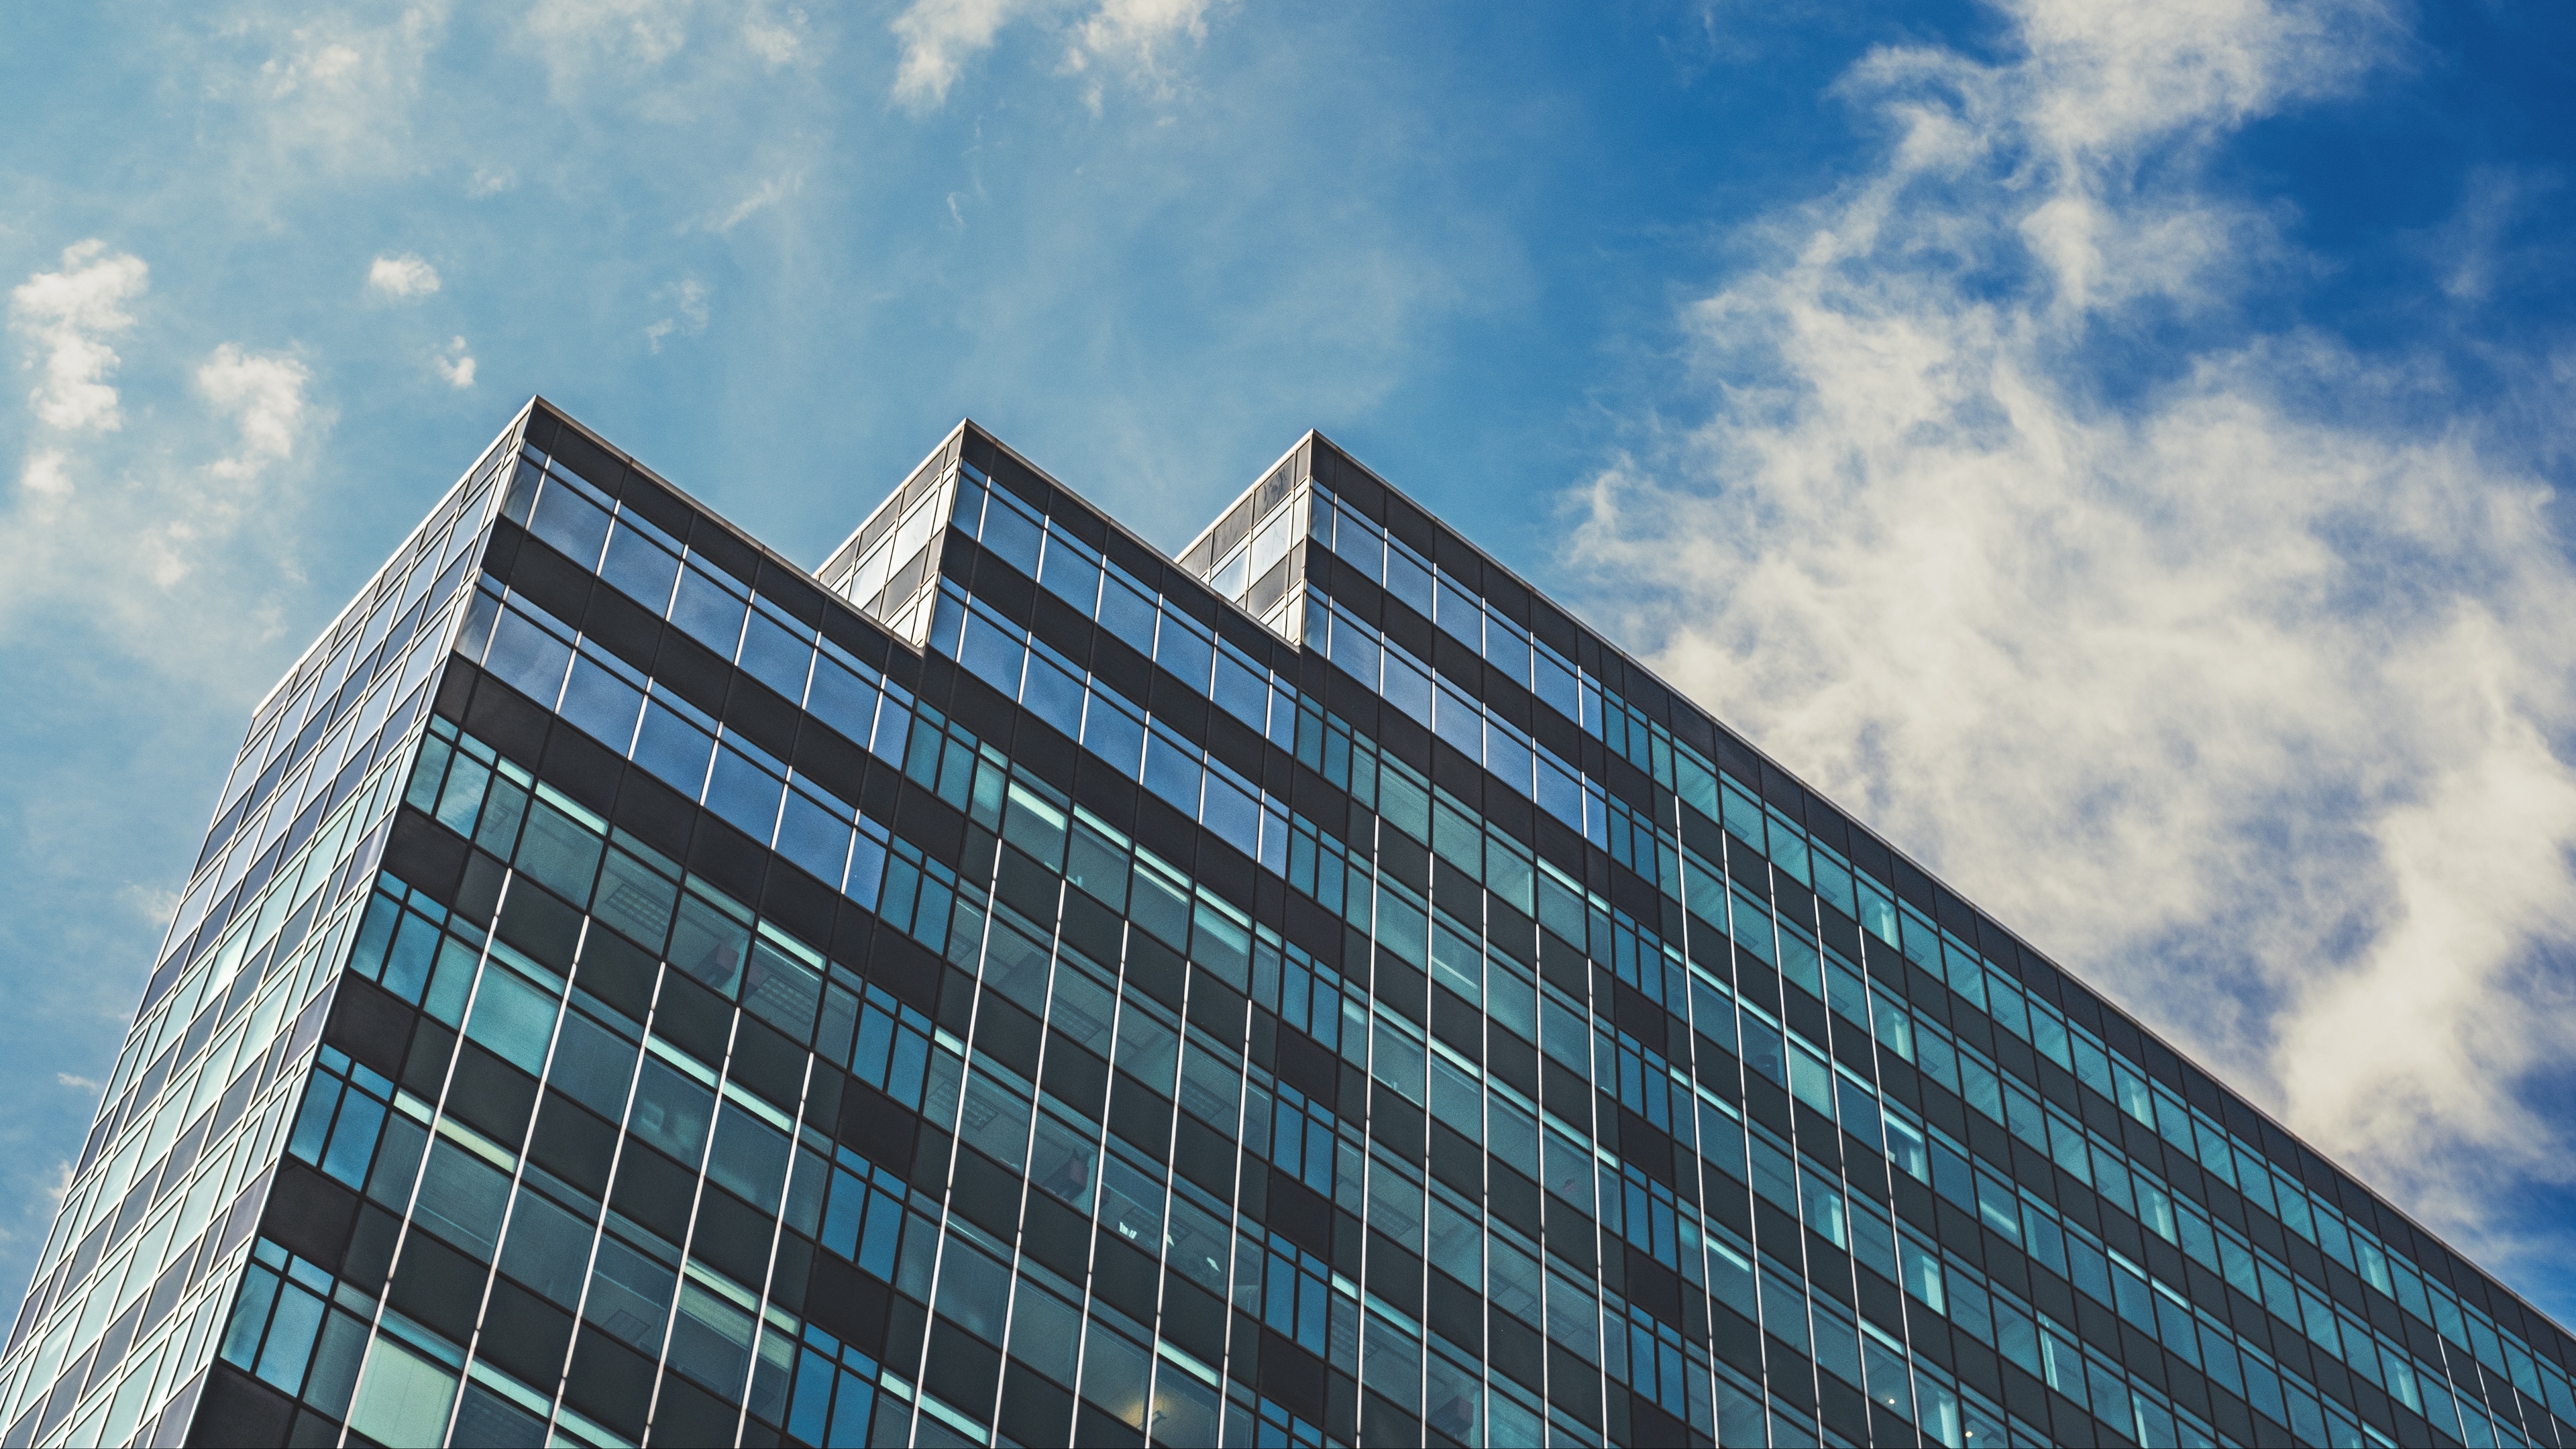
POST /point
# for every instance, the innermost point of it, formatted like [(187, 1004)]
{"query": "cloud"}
[(779, 41), (939, 37), (455, 364), (264, 397), (153, 905), (133, 541), (68, 315), (151, 555), (769, 193), (329, 96), (2233, 671), (141, 554), (710, 65), (2477, 250), (45, 483), (491, 181), (402, 277), (689, 318), (579, 33), (1133, 34)]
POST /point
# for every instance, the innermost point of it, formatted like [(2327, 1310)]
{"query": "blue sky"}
[(2116, 450)]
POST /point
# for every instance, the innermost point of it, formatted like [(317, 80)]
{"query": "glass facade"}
[(1011, 987)]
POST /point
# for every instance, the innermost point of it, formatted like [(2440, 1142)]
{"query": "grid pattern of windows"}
[(1025, 990), (114, 1340)]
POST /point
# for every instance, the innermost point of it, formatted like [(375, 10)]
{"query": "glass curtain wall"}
[(1013, 987), (149, 1248)]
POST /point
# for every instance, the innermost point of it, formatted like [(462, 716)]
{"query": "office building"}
[(1008, 986)]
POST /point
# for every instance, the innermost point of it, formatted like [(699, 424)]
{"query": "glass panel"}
[(630, 1294), (404, 1398), (671, 1111), (462, 1198), (548, 1248), (635, 900), (711, 1339), (750, 1157), (973, 1289), (513, 1018), (781, 989), (1133, 1206), (642, 569), (1061, 1162), (709, 945), (561, 852), (995, 1118), (484, 1418), (1113, 1375), (1045, 1331), (593, 1065)]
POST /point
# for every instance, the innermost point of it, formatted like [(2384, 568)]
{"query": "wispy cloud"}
[(779, 38), (688, 317), (152, 905), (328, 95), (69, 315), (580, 34), (709, 65), (1136, 36), (940, 37), (2477, 250), (402, 277), (2233, 685), (768, 194)]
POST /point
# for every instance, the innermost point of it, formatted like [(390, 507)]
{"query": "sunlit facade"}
[(1010, 986)]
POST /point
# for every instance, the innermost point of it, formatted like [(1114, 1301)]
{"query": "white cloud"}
[(456, 365), (100, 530), (77, 1084), (328, 95), (939, 37), (702, 64), (402, 277), (688, 299), (45, 481), (2244, 695), (491, 181), (1134, 34), (264, 396), (578, 33), (135, 547), (777, 41), (68, 315)]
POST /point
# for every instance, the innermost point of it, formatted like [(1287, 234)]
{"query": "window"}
[(514, 1018), (462, 1197), (671, 1110), (548, 1247), (750, 1155)]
